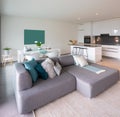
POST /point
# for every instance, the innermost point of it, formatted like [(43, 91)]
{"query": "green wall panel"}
[(30, 36)]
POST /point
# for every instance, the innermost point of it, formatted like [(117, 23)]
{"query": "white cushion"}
[(48, 65), (75, 59), (80, 60), (57, 68)]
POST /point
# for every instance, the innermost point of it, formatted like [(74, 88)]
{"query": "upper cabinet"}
[(108, 26), (84, 30), (111, 27)]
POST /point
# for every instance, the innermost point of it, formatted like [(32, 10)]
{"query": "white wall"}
[(57, 34)]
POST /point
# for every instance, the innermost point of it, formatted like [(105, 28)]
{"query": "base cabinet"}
[(94, 53), (111, 51)]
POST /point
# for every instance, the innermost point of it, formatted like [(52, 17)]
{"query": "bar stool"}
[(76, 50), (80, 51), (84, 52)]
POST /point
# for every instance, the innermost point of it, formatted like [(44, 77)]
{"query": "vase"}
[(39, 48), (6, 52)]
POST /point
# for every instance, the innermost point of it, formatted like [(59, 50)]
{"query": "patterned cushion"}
[(57, 68)]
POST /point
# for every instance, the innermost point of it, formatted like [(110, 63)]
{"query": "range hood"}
[(107, 34)]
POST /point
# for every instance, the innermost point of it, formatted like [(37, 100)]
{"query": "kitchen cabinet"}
[(111, 27), (94, 52), (111, 51), (84, 30)]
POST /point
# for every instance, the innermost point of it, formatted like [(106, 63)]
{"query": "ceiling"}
[(76, 11)]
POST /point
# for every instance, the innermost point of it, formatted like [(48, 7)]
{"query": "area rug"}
[(107, 104)]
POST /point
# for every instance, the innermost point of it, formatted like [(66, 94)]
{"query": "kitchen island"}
[(93, 52)]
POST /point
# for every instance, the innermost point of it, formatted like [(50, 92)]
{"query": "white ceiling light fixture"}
[(78, 18), (96, 14)]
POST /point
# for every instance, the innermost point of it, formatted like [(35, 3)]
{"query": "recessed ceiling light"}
[(78, 18), (96, 13)]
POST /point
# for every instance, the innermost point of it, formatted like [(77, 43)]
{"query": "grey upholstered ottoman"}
[(91, 84)]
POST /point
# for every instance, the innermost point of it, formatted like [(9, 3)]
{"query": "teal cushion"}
[(32, 62), (43, 74), (30, 66)]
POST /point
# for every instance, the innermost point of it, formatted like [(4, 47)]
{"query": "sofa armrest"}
[(23, 79)]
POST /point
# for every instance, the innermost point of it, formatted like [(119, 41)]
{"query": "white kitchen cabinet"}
[(94, 52), (102, 27), (107, 26), (111, 51), (84, 30)]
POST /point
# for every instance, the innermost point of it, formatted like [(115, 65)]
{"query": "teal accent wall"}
[(30, 36)]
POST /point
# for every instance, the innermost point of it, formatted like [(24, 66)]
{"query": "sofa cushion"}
[(57, 68), (30, 66), (66, 60), (41, 72), (48, 65)]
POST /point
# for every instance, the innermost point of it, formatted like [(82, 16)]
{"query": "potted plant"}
[(38, 44), (6, 50)]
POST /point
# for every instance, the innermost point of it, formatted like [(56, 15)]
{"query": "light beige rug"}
[(107, 104)]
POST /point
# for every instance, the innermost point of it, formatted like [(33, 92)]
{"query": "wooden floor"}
[(7, 100), (110, 62)]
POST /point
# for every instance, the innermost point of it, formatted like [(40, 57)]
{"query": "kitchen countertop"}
[(88, 45)]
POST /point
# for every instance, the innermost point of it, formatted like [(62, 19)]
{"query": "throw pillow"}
[(81, 61), (31, 62), (75, 59), (57, 68), (30, 66), (48, 65), (43, 74), (49, 61)]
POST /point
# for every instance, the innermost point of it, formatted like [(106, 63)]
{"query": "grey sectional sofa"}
[(32, 96)]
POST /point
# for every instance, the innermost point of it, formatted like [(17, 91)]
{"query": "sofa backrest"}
[(23, 79), (55, 59), (66, 60)]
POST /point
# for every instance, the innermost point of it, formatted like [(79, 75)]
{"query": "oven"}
[(87, 39)]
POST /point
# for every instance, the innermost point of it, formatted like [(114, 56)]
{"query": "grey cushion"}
[(45, 91), (66, 60), (48, 65), (91, 84), (23, 79)]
